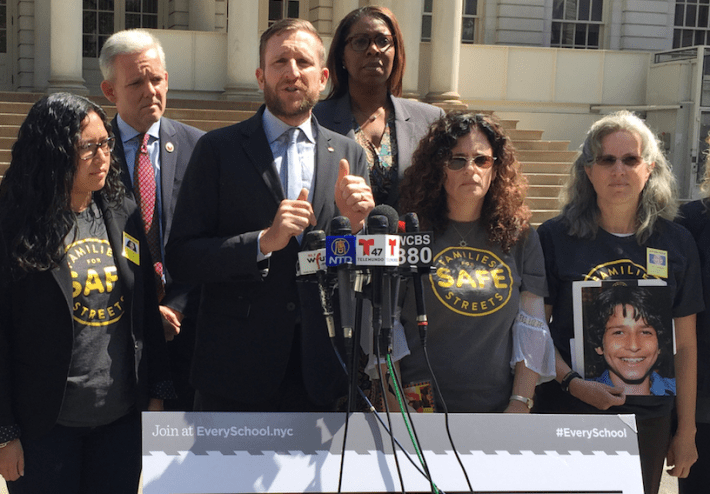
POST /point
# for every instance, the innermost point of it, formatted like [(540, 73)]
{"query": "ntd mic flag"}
[(339, 250)]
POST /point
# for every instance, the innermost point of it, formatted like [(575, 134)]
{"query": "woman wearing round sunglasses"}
[(487, 340), (366, 64), (82, 350), (616, 223)]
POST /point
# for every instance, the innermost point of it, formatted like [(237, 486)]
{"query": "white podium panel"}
[(218, 453)]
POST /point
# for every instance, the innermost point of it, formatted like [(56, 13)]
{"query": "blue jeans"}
[(83, 460)]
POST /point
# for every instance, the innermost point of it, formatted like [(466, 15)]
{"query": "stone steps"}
[(523, 145), (524, 135), (545, 156), (9, 131), (545, 163), (539, 216)]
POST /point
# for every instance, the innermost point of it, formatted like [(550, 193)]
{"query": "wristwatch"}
[(568, 379), (528, 401)]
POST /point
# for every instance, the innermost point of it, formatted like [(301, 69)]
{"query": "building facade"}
[(550, 64), (47, 44)]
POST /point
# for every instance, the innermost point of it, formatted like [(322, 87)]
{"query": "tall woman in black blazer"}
[(366, 63), (81, 342)]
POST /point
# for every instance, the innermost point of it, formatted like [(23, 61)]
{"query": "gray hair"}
[(658, 199), (124, 43)]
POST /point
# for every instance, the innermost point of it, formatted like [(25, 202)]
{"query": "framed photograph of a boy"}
[(624, 335)]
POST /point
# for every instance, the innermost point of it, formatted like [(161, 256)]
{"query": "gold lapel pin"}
[(330, 149), (169, 147)]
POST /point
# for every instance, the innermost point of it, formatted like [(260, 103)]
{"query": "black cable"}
[(376, 334), (446, 412), (371, 408), (408, 419)]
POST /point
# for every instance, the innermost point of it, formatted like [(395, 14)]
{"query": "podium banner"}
[(216, 453)]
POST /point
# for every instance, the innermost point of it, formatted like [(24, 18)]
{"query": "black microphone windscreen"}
[(390, 213), (340, 225), (411, 222), (377, 224), (314, 240)]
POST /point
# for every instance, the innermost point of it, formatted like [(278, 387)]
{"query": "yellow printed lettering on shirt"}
[(93, 282), (76, 286), (111, 277), (446, 280)]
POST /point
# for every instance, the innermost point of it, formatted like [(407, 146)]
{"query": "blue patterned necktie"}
[(291, 166)]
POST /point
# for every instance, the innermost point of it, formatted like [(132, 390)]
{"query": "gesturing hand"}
[(291, 219), (353, 196)]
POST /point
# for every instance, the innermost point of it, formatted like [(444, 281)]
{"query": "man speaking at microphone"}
[(250, 192)]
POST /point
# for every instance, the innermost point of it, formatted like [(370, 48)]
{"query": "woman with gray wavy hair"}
[(616, 223), (658, 197)]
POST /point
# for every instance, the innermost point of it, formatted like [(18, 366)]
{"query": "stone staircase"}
[(545, 163)]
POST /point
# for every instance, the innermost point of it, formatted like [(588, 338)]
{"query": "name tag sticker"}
[(131, 249), (657, 262)]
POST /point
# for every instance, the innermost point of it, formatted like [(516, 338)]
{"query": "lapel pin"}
[(331, 150), (169, 147)]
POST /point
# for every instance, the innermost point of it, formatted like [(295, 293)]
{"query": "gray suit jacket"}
[(412, 120)]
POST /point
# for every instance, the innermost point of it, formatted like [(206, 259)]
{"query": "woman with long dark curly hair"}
[(487, 340), (81, 342)]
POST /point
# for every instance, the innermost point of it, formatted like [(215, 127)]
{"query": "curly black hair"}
[(504, 215), (35, 194)]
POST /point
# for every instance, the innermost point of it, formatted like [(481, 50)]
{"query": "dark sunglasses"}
[(609, 160)]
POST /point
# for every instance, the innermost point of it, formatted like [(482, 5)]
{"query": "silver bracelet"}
[(2, 445), (527, 401)]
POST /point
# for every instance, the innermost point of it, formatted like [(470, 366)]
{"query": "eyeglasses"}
[(460, 162), (88, 150), (361, 42), (631, 161)]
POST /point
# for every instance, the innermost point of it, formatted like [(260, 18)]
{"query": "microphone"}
[(340, 244), (411, 221), (312, 257), (390, 213), (340, 227), (314, 241), (380, 249)]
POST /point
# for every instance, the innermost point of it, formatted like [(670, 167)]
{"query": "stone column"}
[(65, 61), (409, 16), (242, 51), (202, 14), (341, 8), (445, 54)]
